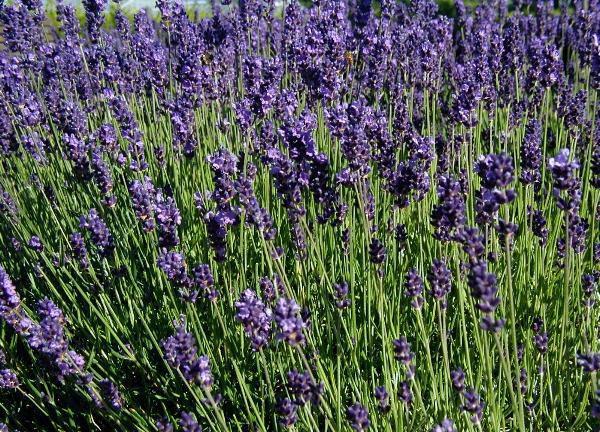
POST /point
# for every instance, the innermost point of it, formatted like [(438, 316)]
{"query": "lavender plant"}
[(322, 216)]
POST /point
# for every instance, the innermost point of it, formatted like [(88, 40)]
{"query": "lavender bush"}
[(336, 216)]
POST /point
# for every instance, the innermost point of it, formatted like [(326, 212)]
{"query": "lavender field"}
[(326, 216)]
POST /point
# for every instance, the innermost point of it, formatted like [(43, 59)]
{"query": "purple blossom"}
[(589, 362), (49, 338), (36, 244), (303, 388), (440, 280), (413, 288), (255, 317), (168, 219), (473, 404), (287, 412), (181, 353), (458, 380), (289, 322), (79, 250), (189, 423), (358, 417), (100, 235), (8, 379), (383, 399), (341, 295), (531, 153), (446, 425), (111, 394), (405, 393)]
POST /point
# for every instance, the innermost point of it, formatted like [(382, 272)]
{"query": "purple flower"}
[(168, 219), (538, 225), (36, 244), (175, 268), (289, 321), (446, 425), (531, 153), (383, 399), (358, 417), (303, 388), (565, 180), (287, 412), (458, 380), (111, 394), (255, 317), (79, 249), (189, 423), (413, 288), (473, 404), (48, 337), (164, 425), (202, 278), (143, 199), (403, 354), (101, 236), (405, 393), (10, 305), (181, 353), (485, 290), (377, 251), (8, 379), (448, 216), (440, 280), (589, 362), (341, 295), (588, 286)]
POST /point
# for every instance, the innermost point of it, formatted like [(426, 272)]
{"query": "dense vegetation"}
[(331, 216)]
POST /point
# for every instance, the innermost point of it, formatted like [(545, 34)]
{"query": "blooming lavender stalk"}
[(180, 352), (111, 394), (49, 338), (382, 397), (189, 423), (100, 235), (440, 281), (341, 295), (255, 317), (403, 354), (485, 290), (446, 425), (8, 379), (496, 173), (531, 153), (287, 412), (358, 417), (473, 404), (290, 323), (413, 288), (79, 249), (11, 309), (303, 388)]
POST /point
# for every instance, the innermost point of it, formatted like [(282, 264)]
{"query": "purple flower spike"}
[(111, 394), (358, 417), (101, 236), (440, 281), (181, 353), (446, 425), (383, 399), (255, 317), (287, 412), (8, 379), (289, 321), (413, 288), (473, 404)]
